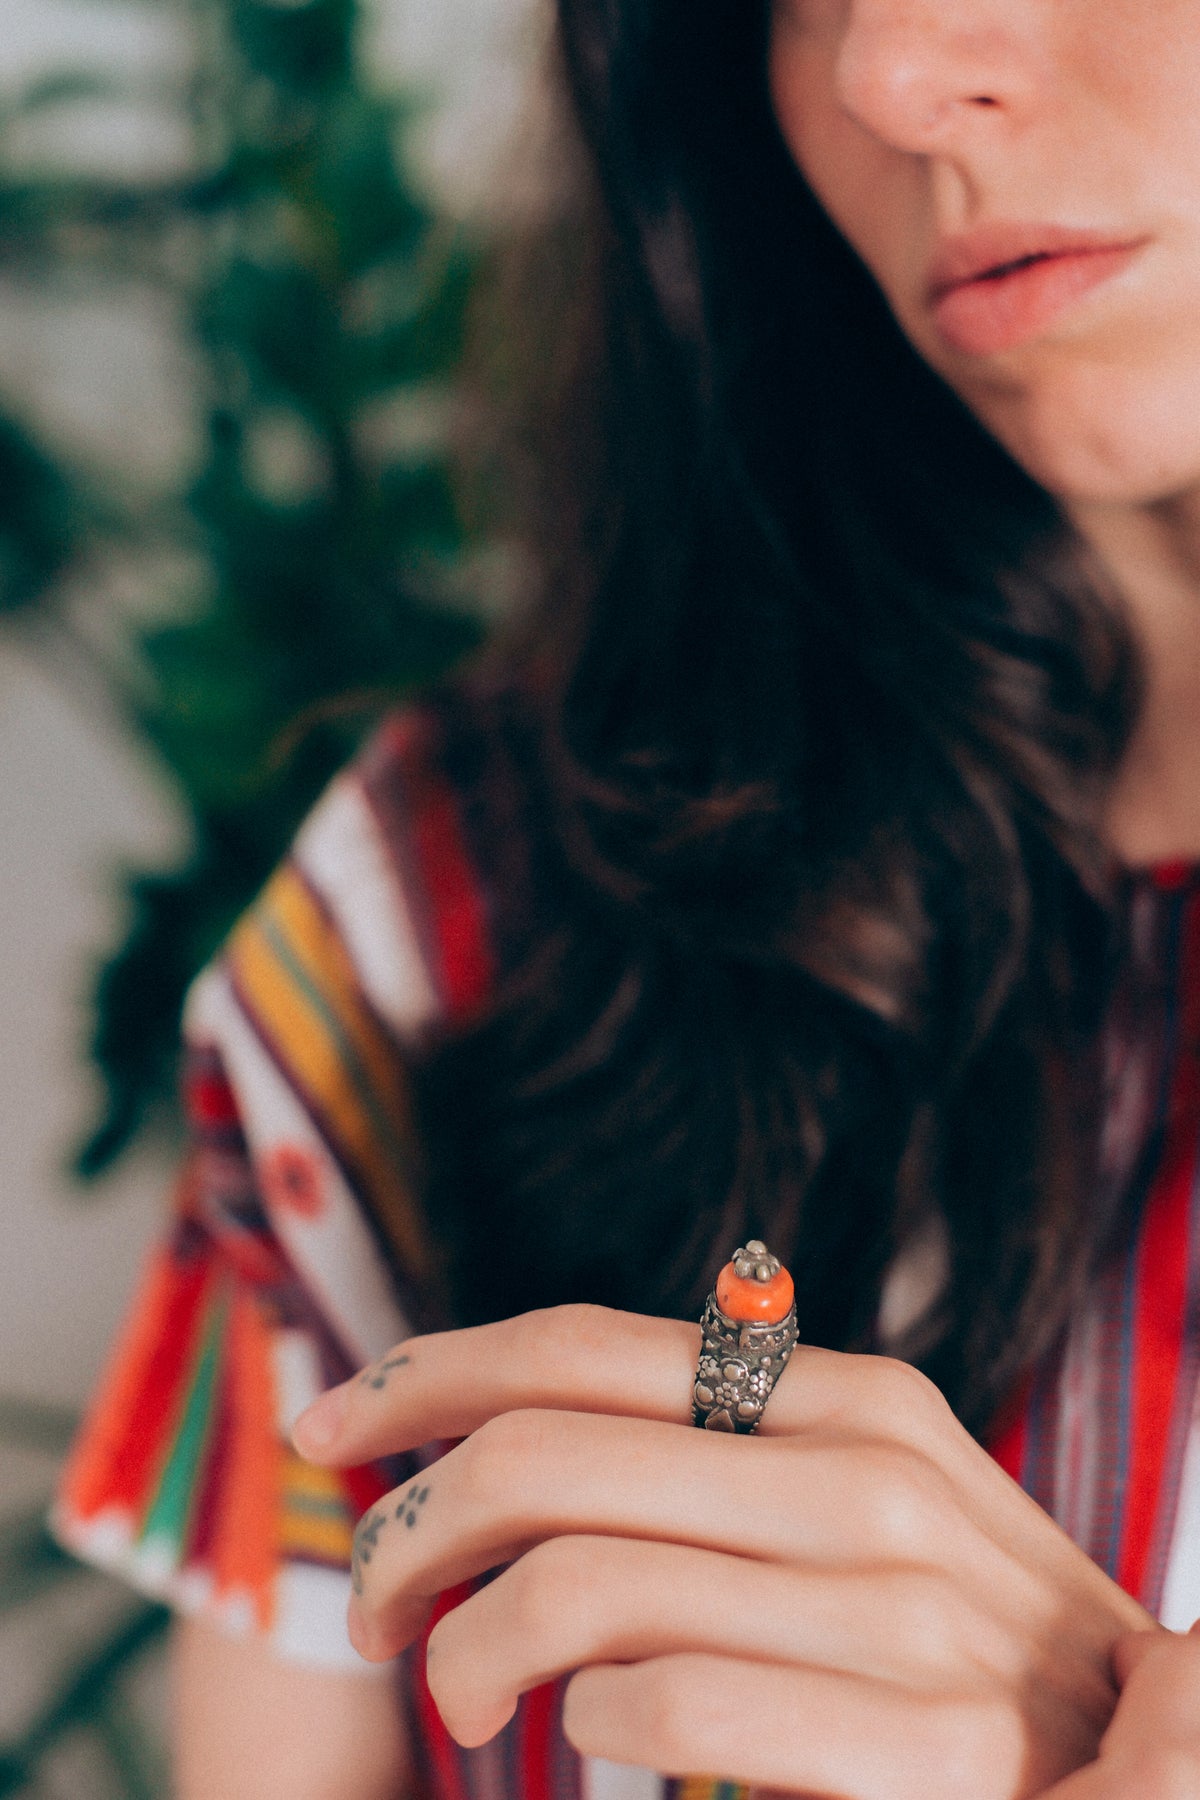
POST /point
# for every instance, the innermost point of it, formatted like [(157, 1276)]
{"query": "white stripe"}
[(341, 851), (297, 1371), (151, 1566), (335, 1252), (310, 1621), (619, 1781), (1181, 1591)]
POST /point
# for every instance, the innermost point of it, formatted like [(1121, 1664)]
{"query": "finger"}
[(527, 1476), (574, 1601), (1160, 1694), (569, 1358), (805, 1731), (1132, 1648), (592, 1359)]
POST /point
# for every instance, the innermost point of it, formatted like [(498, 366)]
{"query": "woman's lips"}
[(1013, 297)]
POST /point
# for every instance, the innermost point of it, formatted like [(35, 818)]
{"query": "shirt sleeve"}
[(295, 1251)]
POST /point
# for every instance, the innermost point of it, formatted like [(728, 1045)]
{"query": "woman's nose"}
[(917, 73)]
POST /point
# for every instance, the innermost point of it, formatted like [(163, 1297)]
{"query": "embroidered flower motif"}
[(291, 1181)]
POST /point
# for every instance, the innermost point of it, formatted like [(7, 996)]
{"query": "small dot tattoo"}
[(377, 1376), (366, 1537), (409, 1507)]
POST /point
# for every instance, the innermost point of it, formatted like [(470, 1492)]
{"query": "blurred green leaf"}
[(40, 524), (62, 87), (320, 289)]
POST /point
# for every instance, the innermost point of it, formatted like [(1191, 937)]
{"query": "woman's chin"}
[(1104, 439)]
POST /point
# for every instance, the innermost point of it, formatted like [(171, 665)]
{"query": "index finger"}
[(583, 1359), (449, 1383)]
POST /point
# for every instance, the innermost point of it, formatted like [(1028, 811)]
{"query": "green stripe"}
[(384, 1131), (178, 1486), (328, 1508)]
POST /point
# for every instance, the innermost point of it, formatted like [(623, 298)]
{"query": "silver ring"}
[(741, 1359)]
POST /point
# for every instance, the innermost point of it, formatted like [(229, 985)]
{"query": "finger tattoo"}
[(366, 1536), (409, 1507), (366, 1533), (377, 1375)]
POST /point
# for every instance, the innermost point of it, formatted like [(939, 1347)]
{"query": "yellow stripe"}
[(316, 1518), (308, 933), (323, 1036), (310, 1484), (323, 1540)]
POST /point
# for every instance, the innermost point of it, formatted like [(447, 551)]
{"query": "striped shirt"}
[(296, 1252)]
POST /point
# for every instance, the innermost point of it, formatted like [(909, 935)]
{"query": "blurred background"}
[(240, 244)]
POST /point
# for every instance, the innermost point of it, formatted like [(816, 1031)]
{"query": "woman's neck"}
[(1153, 555)]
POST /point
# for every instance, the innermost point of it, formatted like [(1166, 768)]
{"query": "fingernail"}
[(320, 1426), (366, 1638)]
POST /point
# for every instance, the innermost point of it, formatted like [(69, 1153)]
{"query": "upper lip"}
[(993, 248)]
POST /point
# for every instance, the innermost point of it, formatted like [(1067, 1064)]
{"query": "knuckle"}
[(585, 1327), (904, 1395), (672, 1727), (926, 1608), (575, 1327), (900, 1502), (538, 1583), (498, 1455)]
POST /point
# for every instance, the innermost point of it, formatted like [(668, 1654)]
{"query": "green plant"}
[(327, 304), (323, 303)]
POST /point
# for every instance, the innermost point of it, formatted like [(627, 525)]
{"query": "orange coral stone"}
[(748, 1301)]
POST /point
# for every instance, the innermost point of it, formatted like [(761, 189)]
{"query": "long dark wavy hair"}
[(791, 780)]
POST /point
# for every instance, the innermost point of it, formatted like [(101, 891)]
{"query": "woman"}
[(818, 865)]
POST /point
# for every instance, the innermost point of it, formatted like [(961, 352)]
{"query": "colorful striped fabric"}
[(1102, 1440), (297, 1252), (182, 1478)]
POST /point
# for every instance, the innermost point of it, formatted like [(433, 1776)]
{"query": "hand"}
[(1151, 1751), (856, 1601)]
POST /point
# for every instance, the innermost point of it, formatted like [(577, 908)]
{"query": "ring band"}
[(747, 1334)]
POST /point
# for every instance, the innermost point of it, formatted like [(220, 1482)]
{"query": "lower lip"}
[(983, 317)]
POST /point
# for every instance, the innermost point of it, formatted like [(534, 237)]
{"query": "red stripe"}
[(444, 1755), (126, 1441), (1157, 1345), (1010, 1431), (1164, 1259), (208, 1097), (1173, 874), (539, 1713), (365, 1485), (206, 1507), (458, 915)]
